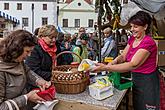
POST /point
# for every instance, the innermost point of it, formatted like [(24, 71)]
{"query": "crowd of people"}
[(27, 60)]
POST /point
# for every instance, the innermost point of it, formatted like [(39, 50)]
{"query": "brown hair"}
[(13, 45), (82, 29), (60, 37), (141, 18), (36, 31), (108, 30)]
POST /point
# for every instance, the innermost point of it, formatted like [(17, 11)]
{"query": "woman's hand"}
[(43, 84), (33, 97), (99, 67), (113, 62)]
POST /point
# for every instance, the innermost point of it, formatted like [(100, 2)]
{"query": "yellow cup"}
[(85, 66), (108, 59)]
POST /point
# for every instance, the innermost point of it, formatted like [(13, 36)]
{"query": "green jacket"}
[(84, 54)]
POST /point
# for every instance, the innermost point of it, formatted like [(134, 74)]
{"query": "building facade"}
[(74, 14), (31, 13), (7, 23)]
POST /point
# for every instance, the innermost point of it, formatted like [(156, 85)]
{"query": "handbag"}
[(48, 94)]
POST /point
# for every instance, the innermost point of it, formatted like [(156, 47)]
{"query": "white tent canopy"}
[(127, 11), (59, 29), (154, 7)]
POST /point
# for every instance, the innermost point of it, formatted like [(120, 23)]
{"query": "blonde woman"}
[(43, 55)]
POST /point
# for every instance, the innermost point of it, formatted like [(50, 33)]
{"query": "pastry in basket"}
[(48, 94), (67, 79), (74, 70)]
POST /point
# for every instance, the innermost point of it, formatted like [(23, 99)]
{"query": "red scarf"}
[(50, 50)]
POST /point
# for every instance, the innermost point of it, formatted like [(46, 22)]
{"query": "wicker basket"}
[(69, 83)]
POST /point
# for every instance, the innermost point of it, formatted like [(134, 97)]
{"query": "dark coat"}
[(41, 62)]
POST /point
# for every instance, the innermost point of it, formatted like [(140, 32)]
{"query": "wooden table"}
[(84, 101)]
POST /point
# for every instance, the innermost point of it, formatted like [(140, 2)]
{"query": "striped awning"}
[(8, 17)]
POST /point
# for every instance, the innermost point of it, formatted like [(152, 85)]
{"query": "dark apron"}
[(146, 91)]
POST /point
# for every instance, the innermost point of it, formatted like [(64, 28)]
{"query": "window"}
[(3, 26), (65, 22), (77, 22), (6, 6), (44, 6), (19, 6), (79, 4), (125, 1), (25, 22), (90, 23), (44, 21)]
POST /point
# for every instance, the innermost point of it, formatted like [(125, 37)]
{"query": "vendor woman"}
[(139, 57)]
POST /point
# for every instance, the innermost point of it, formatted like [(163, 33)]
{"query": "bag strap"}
[(16, 106), (8, 102), (9, 105)]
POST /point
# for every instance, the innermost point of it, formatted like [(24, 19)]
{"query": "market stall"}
[(75, 92), (84, 101)]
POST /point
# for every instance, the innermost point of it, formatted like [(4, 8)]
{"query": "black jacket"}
[(41, 62)]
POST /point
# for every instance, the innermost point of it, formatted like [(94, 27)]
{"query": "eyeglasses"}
[(53, 35), (106, 33), (81, 30)]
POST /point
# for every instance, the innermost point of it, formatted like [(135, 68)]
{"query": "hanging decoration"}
[(104, 9), (154, 30), (154, 27), (116, 14), (110, 10)]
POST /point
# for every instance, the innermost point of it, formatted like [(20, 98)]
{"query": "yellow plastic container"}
[(86, 64), (84, 67), (108, 59)]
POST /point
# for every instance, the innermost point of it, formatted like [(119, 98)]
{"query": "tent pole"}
[(99, 28)]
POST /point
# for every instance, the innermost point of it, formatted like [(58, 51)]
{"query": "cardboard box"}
[(100, 93), (161, 52), (101, 89)]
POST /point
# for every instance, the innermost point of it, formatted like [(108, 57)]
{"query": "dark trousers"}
[(146, 91)]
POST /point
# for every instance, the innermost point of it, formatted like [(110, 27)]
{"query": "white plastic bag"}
[(89, 64), (48, 105)]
